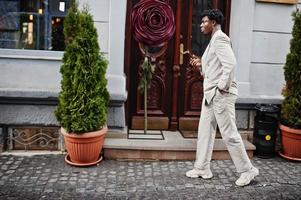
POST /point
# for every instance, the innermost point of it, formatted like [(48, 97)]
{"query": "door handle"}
[(182, 53)]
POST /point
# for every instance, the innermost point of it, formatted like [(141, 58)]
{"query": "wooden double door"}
[(176, 92)]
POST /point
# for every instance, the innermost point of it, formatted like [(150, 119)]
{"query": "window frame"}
[(48, 17)]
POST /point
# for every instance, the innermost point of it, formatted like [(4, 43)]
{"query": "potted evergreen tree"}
[(83, 100), (291, 106)]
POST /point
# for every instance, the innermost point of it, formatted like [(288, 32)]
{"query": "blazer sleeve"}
[(227, 59)]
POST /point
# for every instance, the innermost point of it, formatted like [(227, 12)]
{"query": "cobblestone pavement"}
[(49, 177)]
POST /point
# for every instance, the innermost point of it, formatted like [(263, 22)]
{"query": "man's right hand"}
[(195, 61)]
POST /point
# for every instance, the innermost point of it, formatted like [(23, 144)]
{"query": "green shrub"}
[(83, 100), (291, 106)]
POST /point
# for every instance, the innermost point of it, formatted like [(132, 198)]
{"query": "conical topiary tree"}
[(71, 25), (83, 100), (291, 106)]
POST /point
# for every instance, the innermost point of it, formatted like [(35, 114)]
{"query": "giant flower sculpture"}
[(153, 22), (153, 25)]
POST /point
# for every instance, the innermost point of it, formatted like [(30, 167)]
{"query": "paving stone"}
[(48, 177)]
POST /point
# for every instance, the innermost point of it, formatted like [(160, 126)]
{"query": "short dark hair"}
[(214, 14)]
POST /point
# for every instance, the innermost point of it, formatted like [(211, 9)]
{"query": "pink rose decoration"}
[(153, 22)]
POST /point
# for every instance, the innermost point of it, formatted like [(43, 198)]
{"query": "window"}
[(33, 24)]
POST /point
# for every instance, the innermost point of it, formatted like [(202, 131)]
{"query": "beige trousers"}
[(221, 112)]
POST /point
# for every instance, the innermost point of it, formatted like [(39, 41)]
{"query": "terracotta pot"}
[(291, 143), (84, 149)]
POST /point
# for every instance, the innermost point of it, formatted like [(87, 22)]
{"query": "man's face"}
[(206, 25)]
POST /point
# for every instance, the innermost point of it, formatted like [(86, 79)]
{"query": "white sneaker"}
[(246, 177), (195, 173)]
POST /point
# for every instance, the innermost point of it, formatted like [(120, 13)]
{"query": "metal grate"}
[(33, 138)]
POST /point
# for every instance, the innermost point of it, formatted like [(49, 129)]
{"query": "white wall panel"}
[(23, 74), (117, 36), (241, 37), (270, 47), (273, 17), (100, 9), (115, 72), (103, 36), (267, 79)]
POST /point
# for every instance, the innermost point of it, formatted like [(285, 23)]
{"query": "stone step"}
[(172, 147)]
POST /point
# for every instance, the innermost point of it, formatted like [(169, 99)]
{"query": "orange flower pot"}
[(84, 149), (291, 143)]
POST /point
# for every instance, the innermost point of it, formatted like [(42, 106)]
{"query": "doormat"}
[(150, 135), (189, 134)]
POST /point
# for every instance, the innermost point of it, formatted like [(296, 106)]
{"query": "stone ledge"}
[(37, 115), (173, 147), (45, 97), (124, 154), (31, 54), (264, 99), (173, 142)]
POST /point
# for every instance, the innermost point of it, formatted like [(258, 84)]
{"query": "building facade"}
[(30, 60)]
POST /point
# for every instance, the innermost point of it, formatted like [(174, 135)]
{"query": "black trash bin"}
[(265, 130)]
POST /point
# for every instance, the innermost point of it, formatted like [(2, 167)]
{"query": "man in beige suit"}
[(218, 107)]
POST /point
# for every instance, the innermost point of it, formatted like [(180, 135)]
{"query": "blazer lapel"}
[(205, 57), (205, 54)]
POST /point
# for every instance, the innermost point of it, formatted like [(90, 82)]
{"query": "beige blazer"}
[(218, 66)]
